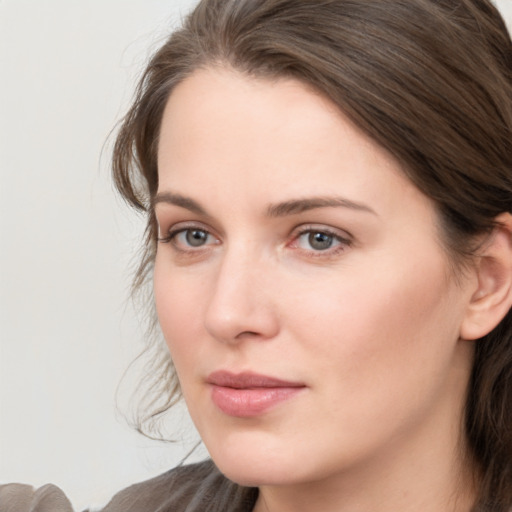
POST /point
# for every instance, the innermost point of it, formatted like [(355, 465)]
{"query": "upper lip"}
[(248, 380)]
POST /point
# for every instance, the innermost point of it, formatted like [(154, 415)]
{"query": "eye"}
[(193, 237), (189, 238), (317, 240), (320, 240)]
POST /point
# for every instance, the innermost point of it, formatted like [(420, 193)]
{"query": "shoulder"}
[(24, 498), (192, 488)]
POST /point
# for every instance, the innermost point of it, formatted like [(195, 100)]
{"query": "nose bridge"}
[(240, 302)]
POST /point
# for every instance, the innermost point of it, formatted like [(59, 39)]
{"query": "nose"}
[(241, 304)]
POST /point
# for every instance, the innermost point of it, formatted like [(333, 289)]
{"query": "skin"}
[(369, 326)]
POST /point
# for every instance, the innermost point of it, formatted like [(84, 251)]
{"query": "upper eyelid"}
[(176, 227), (343, 234)]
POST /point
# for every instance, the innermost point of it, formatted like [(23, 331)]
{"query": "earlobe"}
[(492, 298)]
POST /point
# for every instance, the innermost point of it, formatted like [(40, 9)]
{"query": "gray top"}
[(24, 498), (193, 488)]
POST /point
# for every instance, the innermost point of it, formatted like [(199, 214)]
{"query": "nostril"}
[(247, 333)]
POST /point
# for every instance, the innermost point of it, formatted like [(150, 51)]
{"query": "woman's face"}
[(301, 287)]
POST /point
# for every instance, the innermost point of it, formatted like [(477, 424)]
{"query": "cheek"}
[(390, 323), (179, 309)]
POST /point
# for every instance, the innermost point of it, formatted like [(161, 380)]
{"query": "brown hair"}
[(429, 80)]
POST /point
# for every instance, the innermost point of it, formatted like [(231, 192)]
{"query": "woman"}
[(328, 187)]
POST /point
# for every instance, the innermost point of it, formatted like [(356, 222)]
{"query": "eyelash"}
[(173, 233), (342, 242)]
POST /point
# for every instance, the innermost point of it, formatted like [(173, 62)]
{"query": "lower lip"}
[(246, 403)]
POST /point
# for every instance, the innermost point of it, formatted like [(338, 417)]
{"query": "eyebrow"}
[(179, 200), (291, 207), (296, 206)]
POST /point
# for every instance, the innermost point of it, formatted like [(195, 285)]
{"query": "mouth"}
[(247, 394)]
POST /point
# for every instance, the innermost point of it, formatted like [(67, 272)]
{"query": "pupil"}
[(320, 241), (196, 237)]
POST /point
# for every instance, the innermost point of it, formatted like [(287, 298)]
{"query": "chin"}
[(254, 462)]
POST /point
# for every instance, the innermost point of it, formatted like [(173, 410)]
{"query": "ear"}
[(492, 296)]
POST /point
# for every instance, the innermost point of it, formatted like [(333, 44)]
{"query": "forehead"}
[(230, 100), (225, 135), (224, 113)]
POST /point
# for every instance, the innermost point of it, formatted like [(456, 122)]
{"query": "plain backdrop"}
[(67, 328)]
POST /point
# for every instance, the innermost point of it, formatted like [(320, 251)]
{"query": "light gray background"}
[(67, 330)]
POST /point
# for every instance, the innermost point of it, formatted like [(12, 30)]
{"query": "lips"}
[(249, 394)]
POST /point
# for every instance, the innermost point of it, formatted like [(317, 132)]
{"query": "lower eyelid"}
[(185, 247)]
